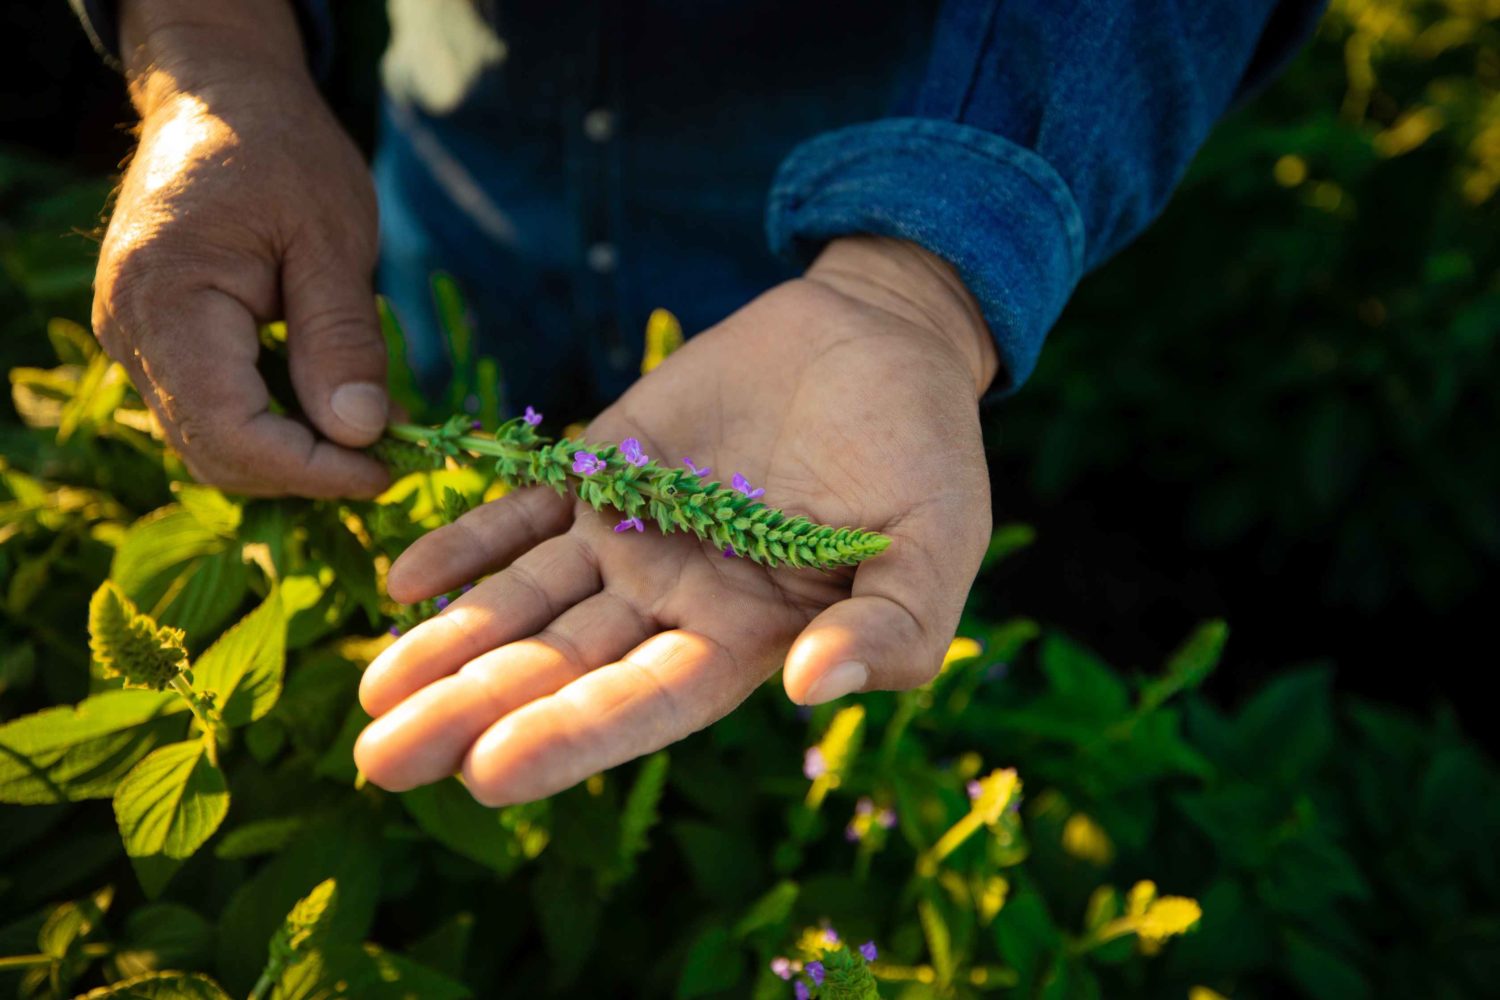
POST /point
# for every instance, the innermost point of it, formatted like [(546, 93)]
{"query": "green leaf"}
[(161, 936), (1082, 681), (78, 752), (568, 910), (1321, 972), (1286, 729), (1194, 660), (353, 566), (167, 806), (714, 964), (939, 940), (449, 814), (161, 986), (770, 912), (1026, 936), (266, 836), (212, 509), (364, 972), (342, 848), (161, 548), (1006, 540), (244, 667), (639, 813), (64, 932)]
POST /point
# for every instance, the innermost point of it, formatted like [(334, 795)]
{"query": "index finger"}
[(196, 369)]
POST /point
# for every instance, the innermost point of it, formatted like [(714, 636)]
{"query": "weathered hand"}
[(849, 395), (244, 202)]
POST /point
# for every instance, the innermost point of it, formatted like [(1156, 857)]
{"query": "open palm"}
[(591, 646)]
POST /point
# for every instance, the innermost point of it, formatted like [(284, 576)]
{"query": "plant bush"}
[(1302, 351), (206, 834)]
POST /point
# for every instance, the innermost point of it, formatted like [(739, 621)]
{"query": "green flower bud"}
[(132, 645)]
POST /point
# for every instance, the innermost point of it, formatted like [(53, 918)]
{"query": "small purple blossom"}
[(695, 470), (531, 417), (832, 937), (741, 484), (996, 671), (394, 630), (729, 553), (466, 588), (475, 425), (886, 818), (441, 602), (631, 449), (815, 972), (628, 524), (813, 764), (586, 463), (869, 951), (851, 834), (800, 991), (864, 806), (804, 712), (975, 789), (782, 966)]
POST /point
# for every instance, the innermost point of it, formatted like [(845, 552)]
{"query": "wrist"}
[(205, 47), (907, 280)]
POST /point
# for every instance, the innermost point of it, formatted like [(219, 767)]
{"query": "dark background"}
[(1276, 408)]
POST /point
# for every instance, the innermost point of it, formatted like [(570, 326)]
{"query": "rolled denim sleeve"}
[(100, 19), (1044, 136)]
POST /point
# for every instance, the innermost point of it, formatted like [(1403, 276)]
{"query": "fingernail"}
[(361, 405), (841, 680)]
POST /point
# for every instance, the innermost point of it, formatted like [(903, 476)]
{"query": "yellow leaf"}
[(1086, 840), (663, 336), (1168, 916)]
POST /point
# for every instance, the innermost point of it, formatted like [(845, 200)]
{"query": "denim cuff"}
[(102, 26), (994, 210)]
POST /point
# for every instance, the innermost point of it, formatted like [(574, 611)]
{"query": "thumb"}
[(892, 632), (337, 353)]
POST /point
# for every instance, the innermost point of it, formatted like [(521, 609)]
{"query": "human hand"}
[(849, 395), (244, 202)]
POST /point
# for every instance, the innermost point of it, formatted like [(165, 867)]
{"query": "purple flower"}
[(631, 449), (782, 966), (531, 417), (869, 951), (799, 990), (815, 972), (742, 484), (441, 602), (475, 425), (729, 553), (628, 523), (466, 588), (395, 630), (586, 463), (695, 470), (886, 818), (813, 764), (804, 712), (832, 936), (850, 833), (975, 789), (995, 671)]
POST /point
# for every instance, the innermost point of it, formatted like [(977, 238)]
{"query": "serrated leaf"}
[(78, 752), (639, 813), (244, 667), (167, 807), (160, 986), (1194, 660), (772, 910)]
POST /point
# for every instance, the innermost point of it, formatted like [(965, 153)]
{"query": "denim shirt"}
[(577, 163)]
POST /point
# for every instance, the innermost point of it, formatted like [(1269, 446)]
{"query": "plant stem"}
[(207, 721), (263, 986)]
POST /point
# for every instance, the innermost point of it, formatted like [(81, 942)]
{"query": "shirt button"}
[(599, 125), (601, 258)]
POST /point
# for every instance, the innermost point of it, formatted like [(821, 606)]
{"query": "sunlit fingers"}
[(425, 737), (514, 603), (477, 543), (671, 685)]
